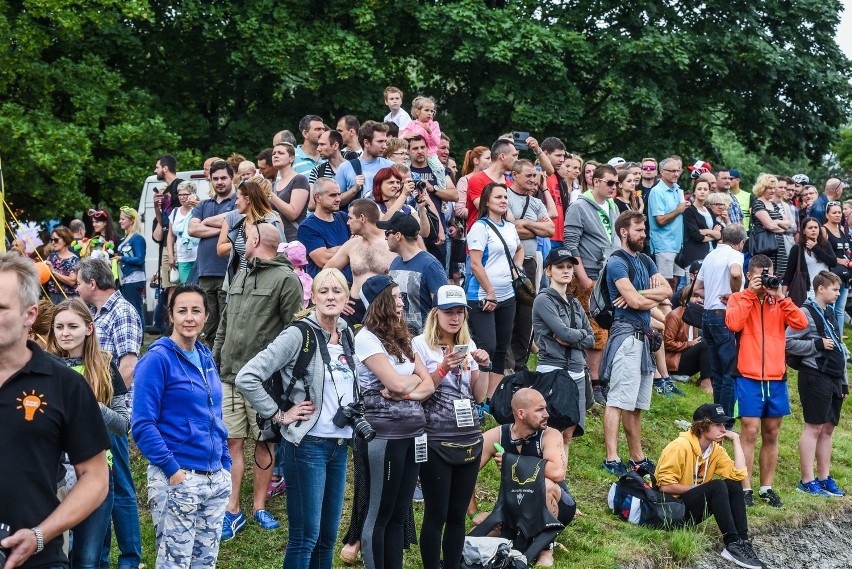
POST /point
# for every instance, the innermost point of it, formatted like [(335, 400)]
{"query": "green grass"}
[(597, 539)]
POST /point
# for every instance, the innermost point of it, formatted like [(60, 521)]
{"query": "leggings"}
[(447, 490), (724, 500), (695, 359), (492, 331), (393, 476)]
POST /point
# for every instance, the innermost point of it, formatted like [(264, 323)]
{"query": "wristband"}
[(39, 539), (407, 396), (441, 371)]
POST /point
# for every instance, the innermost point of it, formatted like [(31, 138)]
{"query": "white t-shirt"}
[(186, 247), (390, 419), (482, 237), (716, 274), (336, 392), (401, 119)]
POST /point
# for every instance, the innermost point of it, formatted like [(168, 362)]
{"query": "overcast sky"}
[(844, 31)]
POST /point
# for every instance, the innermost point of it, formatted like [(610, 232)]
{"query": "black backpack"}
[(634, 500), (274, 384), (600, 303), (559, 391), (830, 363)]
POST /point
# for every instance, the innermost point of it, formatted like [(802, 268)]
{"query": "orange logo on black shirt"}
[(30, 404)]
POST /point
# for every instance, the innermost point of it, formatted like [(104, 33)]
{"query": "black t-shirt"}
[(46, 409)]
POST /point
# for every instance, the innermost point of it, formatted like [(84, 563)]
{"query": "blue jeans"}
[(315, 471), (840, 308), (125, 512), (134, 293), (722, 347), (88, 535)]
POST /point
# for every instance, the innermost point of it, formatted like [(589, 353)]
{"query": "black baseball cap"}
[(560, 255), (400, 222), (711, 411)]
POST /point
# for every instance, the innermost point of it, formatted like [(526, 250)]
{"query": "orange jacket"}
[(762, 325)]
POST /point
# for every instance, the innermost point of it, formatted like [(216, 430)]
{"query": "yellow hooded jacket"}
[(682, 462)]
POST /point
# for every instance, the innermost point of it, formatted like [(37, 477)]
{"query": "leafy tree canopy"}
[(92, 91)]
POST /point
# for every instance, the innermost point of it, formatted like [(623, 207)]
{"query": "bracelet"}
[(278, 418), (39, 539), (441, 371), (485, 368), (473, 515)]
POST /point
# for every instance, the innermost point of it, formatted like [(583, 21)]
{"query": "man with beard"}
[(441, 198), (206, 224), (165, 200), (635, 287), (264, 165), (529, 435)]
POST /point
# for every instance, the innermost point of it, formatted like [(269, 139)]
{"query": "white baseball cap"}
[(450, 296)]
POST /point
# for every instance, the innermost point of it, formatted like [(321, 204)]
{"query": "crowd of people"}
[(360, 294)]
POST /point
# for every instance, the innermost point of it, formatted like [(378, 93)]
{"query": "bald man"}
[(529, 435), (832, 192), (263, 298), (366, 252)]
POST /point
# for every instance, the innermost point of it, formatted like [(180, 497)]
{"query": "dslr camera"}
[(420, 185), (353, 415), (5, 531), (769, 281)]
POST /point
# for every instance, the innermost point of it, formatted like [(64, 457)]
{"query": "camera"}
[(353, 415), (420, 185), (769, 281), (5, 531)]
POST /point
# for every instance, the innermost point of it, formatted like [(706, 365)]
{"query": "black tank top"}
[(530, 446)]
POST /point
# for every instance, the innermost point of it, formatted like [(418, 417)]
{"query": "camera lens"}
[(419, 185), (363, 429)]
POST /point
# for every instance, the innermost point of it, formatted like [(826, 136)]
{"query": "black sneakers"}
[(748, 497), (741, 553), (771, 498)]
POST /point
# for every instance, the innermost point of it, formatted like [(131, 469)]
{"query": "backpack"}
[(634, 500), (274, 384), (600, 303), (559, 391), (830, 363)]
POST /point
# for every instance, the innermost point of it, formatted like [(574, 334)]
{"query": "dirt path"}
[(825, 544)]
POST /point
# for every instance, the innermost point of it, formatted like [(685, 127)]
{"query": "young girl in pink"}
[(423, 111)]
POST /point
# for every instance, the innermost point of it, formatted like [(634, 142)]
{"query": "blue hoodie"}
[(177, 411)]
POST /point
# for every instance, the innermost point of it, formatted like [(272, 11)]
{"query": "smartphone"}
[(461, 348), (519, 138)]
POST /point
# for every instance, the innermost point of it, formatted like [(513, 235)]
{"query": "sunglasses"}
[(609, 183), (831, 203), (55, 240), (649, 168), (389, 232), (98, 213), (128, 211)]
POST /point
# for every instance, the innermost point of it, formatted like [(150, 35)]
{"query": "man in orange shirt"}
[(761, 313)]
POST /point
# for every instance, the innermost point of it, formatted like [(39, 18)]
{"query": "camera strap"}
[(347, 343)]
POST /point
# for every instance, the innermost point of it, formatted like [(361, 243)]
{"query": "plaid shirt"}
[(735, 212), (118, 327)]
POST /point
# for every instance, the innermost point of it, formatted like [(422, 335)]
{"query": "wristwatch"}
[(39, 539)]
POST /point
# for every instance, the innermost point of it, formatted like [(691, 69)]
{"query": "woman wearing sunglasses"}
[(63, 266), (131, 260)]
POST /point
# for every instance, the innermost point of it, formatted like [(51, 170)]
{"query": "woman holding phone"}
[(448, 477)]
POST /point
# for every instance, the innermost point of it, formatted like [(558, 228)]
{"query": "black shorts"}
[(567, 508), (821, 397)]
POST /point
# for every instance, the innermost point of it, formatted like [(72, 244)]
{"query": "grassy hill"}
[(596, 539)]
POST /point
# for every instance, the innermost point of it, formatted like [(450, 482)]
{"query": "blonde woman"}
[(766, 215), (131, 260)]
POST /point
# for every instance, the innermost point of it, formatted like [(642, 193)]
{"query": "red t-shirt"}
[(559, 221), (475, 185)]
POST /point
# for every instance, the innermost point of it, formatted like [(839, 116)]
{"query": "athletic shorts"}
[(762, 399), (601, 335), (629, 389), (567, 507), (821, 396), (666, 265), (239, 416)]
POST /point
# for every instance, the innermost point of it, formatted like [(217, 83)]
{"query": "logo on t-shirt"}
[(31, 404)]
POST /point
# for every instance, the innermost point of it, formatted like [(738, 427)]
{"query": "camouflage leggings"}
[(188, 517)]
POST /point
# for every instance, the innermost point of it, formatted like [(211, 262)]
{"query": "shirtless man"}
[(529, 435), (366, 253)]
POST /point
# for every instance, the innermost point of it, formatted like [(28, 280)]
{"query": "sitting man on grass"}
[(529, 435)]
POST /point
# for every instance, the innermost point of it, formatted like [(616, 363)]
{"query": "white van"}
[(146, 209)]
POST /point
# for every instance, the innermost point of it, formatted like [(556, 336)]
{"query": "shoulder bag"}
[(524, 288)]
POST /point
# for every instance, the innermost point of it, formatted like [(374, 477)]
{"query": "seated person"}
[(687, 469), (686, 354), (529, 435)]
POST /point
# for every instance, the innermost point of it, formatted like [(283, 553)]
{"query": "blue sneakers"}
[(813, 488), (831, 487), (266, 520), (615, 467), (232, 524)]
